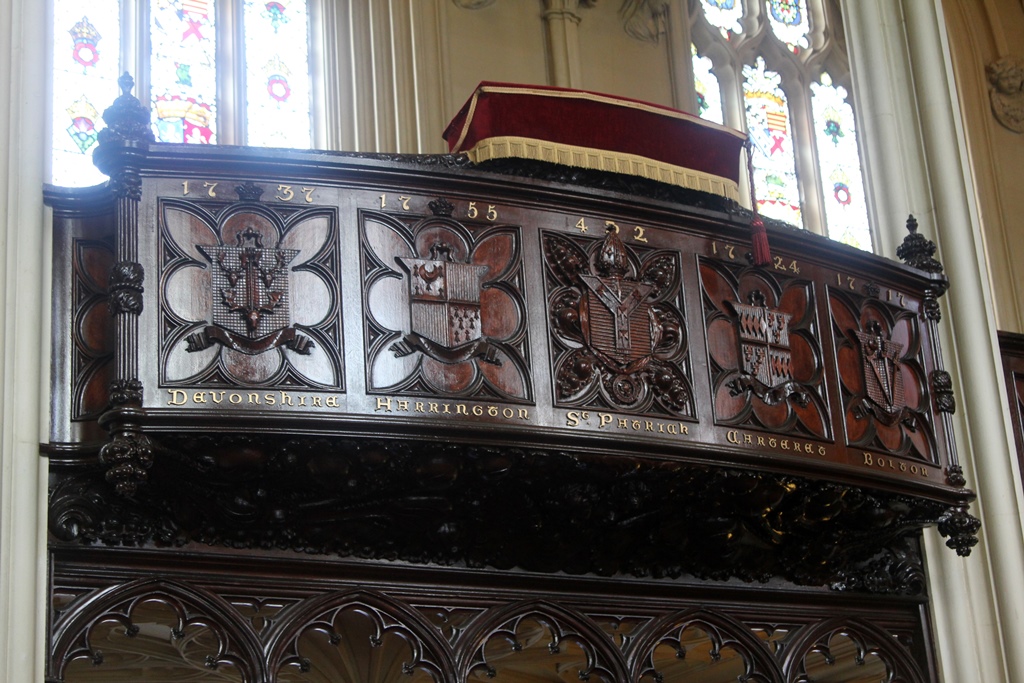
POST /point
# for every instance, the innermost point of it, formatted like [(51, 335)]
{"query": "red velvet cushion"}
[(592, 121)]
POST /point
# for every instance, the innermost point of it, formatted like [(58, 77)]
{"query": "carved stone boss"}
[(250, 290)]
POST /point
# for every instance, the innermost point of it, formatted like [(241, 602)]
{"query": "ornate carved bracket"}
[(960, 529)]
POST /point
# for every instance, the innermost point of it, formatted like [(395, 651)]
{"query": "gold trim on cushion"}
[(604, 99), (504, 147)]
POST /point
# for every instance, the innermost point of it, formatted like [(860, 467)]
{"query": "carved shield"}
[(618, 320), (250, 286), (764, 344), (445, 300), (883, 379)]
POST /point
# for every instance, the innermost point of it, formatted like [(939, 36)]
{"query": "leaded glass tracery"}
[(86, 51), (724, 15), (277, 73), (789, 22), (709, 92), (835, 131), (770, 129), (183, 70)]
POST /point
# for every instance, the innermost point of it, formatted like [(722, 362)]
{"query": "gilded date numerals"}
[(637, 234), (211, 188), (286, 193), (780, 264), (402, 200), (846, 281), (728, 251), (472, 211), (897, 297)]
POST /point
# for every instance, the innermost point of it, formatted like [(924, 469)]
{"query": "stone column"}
[(24, 284), (916, 159), (561, 25)]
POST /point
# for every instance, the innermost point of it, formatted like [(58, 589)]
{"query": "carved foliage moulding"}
[(250, 295), (445, 309), (764, 355), (882, 375), (444, 504), (618, 337), (136, 629)]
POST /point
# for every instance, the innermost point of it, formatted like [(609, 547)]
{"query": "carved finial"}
[(917, 251), (126, 82), (127, 120), (249, 191), (612, 261), (441, 207)]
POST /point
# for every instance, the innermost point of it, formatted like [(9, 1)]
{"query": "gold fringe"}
[(504, 147)]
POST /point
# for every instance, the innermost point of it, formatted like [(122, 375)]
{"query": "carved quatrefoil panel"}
[(764, 355), (882, 376), (230, 305), (445, 312), (618, 337)]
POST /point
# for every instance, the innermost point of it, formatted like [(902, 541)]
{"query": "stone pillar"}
[(561, 24), (917, 163), (24, 283)]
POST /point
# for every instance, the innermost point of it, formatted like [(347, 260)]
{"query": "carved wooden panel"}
[(169, 630), (882, 373), (444, 306), (764, 354), (250, 296), (92, 328), (617, 334)]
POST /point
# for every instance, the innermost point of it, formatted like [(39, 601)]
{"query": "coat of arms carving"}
[(250, 291), (766, 362), (444, 298), (444, 306), (883, 375), (623, 333)]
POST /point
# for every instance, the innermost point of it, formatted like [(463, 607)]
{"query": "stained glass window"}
[(788, 19), (709, 93), (277, 73), (183, 70), (724, 15), (846, 212), (86, 52), (768, 122)]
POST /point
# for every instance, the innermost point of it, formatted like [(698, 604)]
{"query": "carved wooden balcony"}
[(511, 365)]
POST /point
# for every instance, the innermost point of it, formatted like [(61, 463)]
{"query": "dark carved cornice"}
[(475, 506)]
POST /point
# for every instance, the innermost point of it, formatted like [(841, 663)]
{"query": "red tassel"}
[(759, 237), (762, 253)]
